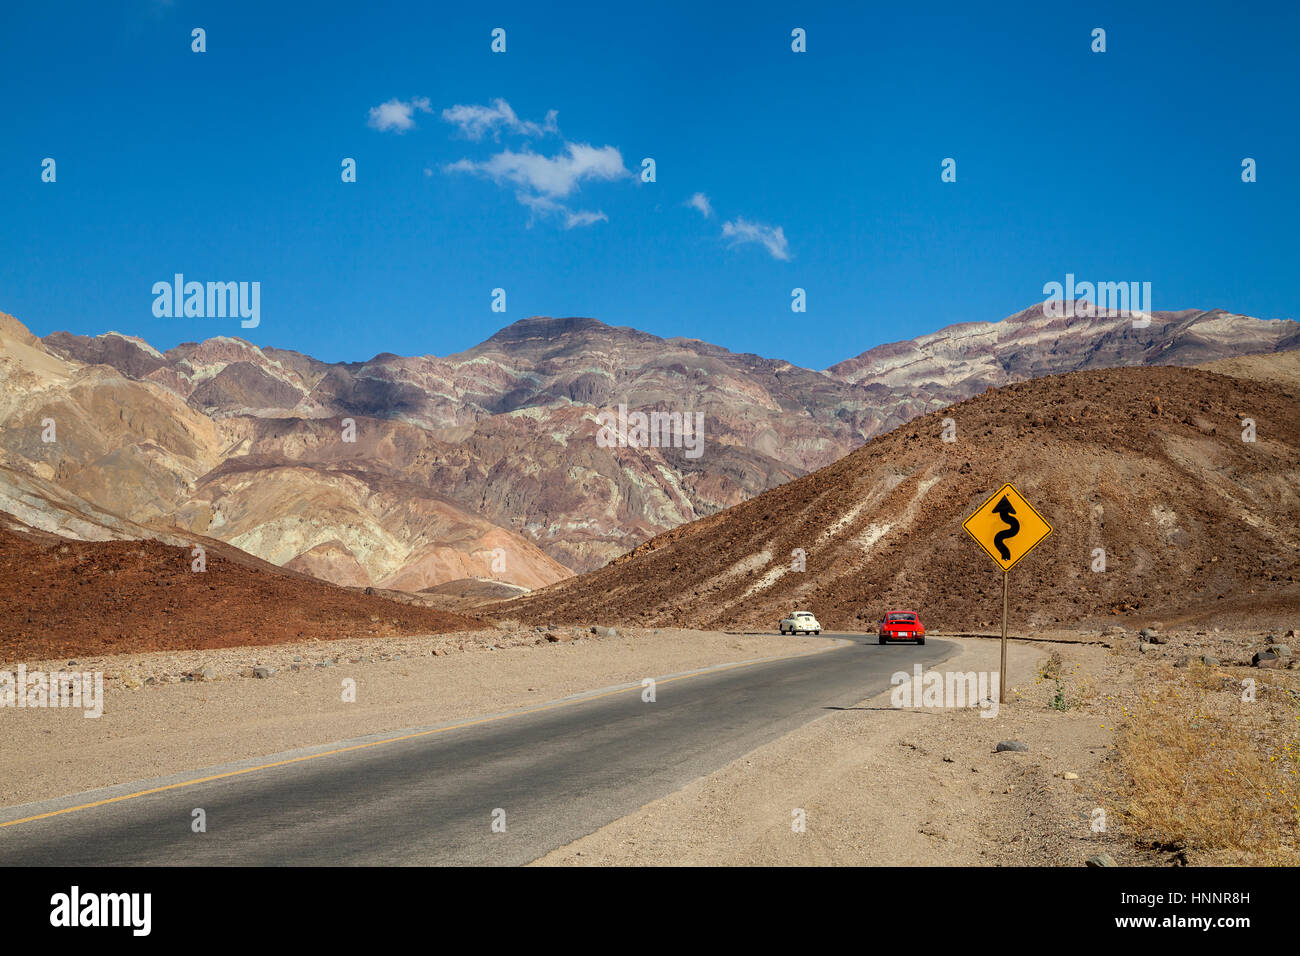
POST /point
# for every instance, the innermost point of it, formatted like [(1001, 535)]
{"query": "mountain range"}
[(408, 473)]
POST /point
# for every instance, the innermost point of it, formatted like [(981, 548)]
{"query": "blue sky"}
[(225, 166)]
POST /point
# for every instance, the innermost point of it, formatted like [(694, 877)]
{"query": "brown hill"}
[(61, 598), (1146, 463)]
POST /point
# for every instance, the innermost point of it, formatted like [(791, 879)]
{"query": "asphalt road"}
[(558, 773)]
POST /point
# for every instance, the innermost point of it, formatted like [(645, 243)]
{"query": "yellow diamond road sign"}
[(1007, 526)]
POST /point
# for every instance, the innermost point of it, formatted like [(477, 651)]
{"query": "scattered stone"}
[(1183, 661), (204, 672), (263, 672), (1209, 660), (1101, 859), (1012, 745), (1144, 647), (1069, 775), (1267, 659), (1159, 639), (1146, 633)]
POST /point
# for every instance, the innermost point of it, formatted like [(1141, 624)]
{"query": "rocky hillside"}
[(962, 360), (1148, 464), (89, 452), (484, 465)]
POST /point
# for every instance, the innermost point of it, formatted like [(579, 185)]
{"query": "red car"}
[(902, 626)]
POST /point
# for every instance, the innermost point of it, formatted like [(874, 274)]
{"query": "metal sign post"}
[(1002, 670)]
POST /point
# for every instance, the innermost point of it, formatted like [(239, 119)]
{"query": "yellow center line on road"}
[(392, 740)]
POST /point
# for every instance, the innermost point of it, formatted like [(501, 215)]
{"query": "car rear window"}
[(900, 617)]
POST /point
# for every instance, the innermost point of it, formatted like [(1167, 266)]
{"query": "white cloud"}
[(554, 176), (741, 231), (541, 206), (583, 217), (398, 114), (540, 182), (477, 121), (701, 202)]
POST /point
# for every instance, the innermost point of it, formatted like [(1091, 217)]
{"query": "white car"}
[(801, 622)]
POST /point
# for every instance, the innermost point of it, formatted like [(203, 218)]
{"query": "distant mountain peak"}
[(546, 328)]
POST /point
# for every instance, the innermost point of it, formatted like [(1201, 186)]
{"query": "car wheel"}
[(882, 638), (818, 632), (920, 640)]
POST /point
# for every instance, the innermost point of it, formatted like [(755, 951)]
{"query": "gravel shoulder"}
[(159, 720)]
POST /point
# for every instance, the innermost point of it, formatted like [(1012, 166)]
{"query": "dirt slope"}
[(61, 597), (1147, 463)]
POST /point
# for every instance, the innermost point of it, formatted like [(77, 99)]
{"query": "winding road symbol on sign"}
[(1008, 514), (1007, 527)]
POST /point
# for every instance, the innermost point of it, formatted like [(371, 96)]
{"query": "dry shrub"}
[(1206, 772)]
